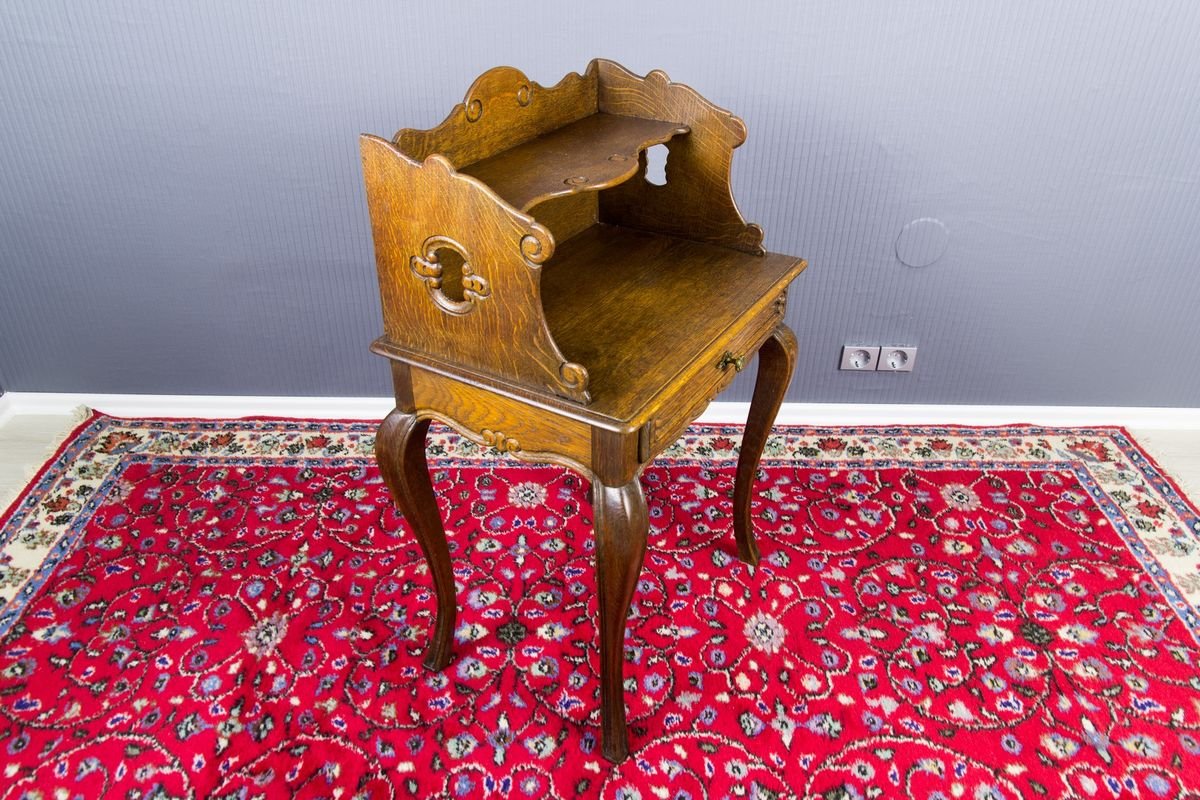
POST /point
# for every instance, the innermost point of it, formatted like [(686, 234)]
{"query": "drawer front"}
[(719, 368), (501, 422)]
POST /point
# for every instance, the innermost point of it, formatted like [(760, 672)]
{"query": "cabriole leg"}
[(776, 361), (400, 451), (621, 529)]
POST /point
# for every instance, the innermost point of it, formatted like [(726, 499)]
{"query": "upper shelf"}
[(593, 153)]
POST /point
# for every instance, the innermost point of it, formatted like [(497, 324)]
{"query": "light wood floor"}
[(27, 441)]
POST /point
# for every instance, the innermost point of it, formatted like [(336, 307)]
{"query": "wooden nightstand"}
[(540, 296)]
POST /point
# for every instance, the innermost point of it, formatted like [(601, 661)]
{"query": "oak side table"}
[(543, 297)]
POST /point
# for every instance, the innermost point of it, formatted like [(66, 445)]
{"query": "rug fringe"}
[(29, 471), (1176, 465)]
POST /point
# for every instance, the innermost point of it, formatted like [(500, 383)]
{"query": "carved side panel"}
[(502, 109), (421, 214), (696, 202)]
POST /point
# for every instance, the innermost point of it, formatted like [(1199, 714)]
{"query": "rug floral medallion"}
[(234, 609)]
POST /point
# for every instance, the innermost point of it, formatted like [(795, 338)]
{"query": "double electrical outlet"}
[(870, 358)]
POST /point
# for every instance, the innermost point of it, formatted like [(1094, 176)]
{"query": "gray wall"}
[(181, 207)]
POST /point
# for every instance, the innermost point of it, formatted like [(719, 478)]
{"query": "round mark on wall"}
[(922, 242)]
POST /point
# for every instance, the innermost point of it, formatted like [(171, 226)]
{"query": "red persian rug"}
[(233, 609)]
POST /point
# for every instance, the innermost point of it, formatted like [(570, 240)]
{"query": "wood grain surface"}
[(502, 109), (639, 308)]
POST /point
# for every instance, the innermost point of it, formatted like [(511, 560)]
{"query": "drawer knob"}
[(729, 359)]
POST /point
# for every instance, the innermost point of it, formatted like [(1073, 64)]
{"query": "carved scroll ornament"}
[(429, 268)]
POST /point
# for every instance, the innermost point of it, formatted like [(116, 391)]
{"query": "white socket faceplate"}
[(896, 359), (859, 358)]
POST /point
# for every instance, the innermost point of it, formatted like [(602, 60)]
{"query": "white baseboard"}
[(202, 406), (816, 414)]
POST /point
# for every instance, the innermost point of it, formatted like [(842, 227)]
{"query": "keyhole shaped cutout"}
[(451, 262), (656, 164)]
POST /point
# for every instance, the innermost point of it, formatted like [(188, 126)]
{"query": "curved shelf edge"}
[(594, 153)]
